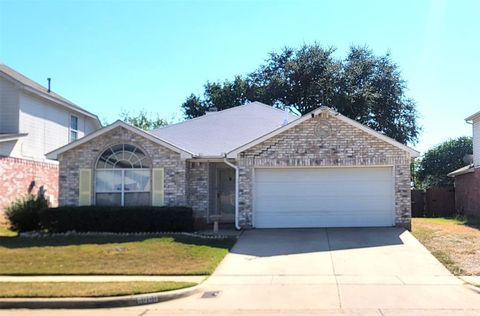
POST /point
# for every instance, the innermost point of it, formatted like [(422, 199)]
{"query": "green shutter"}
[(85, 187), (158, 187)]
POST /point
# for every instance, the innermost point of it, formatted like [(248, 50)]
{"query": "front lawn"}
[(85, 289), (130, 255), (454, 242)]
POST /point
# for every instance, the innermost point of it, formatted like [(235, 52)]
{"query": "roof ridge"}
[(214, 114)]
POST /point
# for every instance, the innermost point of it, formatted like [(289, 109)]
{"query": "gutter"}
[(237, 177)]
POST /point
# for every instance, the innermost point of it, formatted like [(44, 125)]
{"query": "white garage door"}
[(323, 197)]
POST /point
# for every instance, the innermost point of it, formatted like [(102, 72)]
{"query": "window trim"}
[(71, 129)]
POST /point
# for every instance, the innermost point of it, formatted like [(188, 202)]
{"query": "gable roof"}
[(413, 153), (39, 90), (183, 153), (217, 133)]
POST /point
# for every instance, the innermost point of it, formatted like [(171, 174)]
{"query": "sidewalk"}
[(104, 278)]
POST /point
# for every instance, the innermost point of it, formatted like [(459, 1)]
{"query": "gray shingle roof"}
[(217, 133)]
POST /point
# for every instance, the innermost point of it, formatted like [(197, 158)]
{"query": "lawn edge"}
[(98, 302)]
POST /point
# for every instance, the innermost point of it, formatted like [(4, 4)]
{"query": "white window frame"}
[(70, 129), (122, 191)]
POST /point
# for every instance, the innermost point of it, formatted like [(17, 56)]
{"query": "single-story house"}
[(252, 165), (467, 179)]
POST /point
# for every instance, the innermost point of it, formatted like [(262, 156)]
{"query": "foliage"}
[(364, 87), (23, 212), (143, 120), (116, 219), (440, 160)]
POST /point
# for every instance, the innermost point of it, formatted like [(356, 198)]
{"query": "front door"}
[(226, 195)]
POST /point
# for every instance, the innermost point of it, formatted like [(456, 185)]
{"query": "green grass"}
[(130, 255), (85, 289), (458, 220)]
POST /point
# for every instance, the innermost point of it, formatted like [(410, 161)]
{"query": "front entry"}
[(226, 194)]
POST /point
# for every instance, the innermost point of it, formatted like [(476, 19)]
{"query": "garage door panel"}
[(323, 197)]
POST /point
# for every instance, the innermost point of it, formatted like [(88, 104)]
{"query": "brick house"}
[(251, 165), (467, 179), (33, 121)]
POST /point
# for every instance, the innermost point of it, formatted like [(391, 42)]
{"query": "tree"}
[(143, 120), (364, 87), (442, 159)]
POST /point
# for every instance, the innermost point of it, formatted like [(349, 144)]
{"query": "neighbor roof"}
[(10, 137), (460, 171), (41, 91), (473, 116), (217, 133)]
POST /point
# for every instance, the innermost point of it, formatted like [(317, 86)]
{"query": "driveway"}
[(330, 269), (364, 271)]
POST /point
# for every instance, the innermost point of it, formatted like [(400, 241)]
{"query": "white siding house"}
[(34, 121)]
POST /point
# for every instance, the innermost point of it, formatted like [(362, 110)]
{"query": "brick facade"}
[(467, 196), (17, 176), (86, 155), (188, 182), (339, 145)]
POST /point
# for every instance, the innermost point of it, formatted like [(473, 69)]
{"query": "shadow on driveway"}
[(277, 242)]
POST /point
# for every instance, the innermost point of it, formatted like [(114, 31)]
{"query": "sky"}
[(112, 56)]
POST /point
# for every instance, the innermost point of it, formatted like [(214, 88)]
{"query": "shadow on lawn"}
[(58, 241)]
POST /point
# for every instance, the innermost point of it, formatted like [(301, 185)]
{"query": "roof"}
[(183, 153), (413, 153), (473, 116), (463, 170), (218, 133), (34, 87), (10, 137)]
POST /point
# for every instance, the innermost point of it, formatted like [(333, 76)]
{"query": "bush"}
[(116, 219), (23, 212)]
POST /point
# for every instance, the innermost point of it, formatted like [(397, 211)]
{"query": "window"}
[(122, 177), (73, 128)]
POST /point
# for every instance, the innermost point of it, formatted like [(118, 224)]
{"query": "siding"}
[(476, 142), (8, 107), (47, 126)]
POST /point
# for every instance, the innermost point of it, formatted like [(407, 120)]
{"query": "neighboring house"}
[(34, 121), (467, 179), (252, 165)]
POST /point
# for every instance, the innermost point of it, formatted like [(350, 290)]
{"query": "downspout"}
[(237, 177)]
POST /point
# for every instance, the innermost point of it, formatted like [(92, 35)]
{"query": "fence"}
[(433, 202)]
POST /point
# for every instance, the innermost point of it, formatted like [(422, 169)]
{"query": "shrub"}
[(23, 212), (116, 219)]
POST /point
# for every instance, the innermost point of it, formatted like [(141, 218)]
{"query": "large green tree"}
[(437, 162), (362, 86)]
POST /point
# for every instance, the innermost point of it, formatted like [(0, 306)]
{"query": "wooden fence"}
[(433, 202)]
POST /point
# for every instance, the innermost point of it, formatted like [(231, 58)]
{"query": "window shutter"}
[(85, 187), (158, 187)]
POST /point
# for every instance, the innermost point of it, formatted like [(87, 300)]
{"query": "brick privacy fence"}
[(17, 176)]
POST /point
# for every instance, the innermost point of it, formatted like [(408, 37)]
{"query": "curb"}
[(102, 302)]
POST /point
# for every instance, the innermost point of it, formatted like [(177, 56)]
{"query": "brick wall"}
[(467, 193), (86, 155), (17, 175), (340, 144)]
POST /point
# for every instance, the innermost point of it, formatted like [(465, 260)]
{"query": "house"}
[(252, 165), (467, 179), (34, 121)]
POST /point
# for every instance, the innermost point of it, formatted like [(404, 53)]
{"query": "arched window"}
[(122, 177)]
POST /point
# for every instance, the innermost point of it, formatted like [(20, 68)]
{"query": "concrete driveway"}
[(329, 269), (365, 271)]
